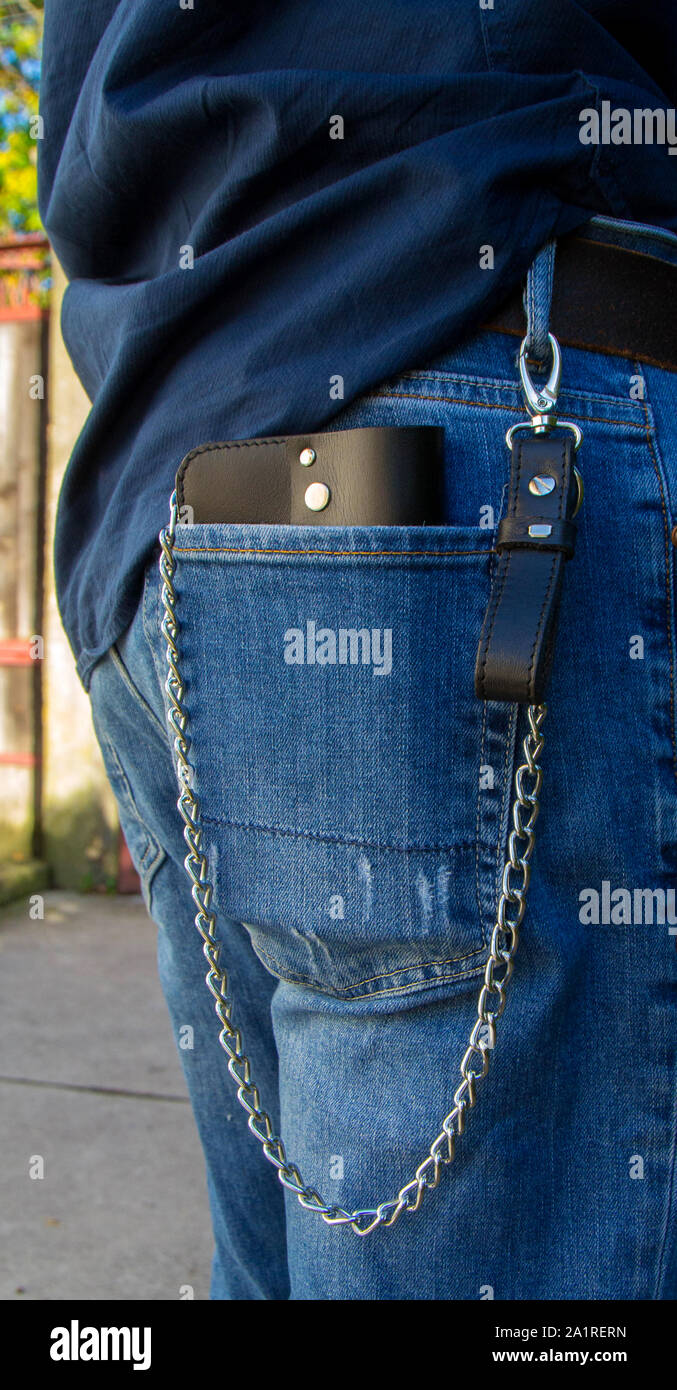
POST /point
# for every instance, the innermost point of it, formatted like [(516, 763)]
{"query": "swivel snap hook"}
[(541, 400)]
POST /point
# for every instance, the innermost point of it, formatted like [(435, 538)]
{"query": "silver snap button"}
[(540, 531), (306, 457), (317, 496), (541, 484)]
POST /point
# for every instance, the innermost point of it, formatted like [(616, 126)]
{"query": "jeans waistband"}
[(658, 242)]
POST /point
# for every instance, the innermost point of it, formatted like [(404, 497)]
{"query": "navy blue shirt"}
[(206, 134)]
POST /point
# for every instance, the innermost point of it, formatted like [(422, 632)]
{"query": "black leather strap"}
[(514, 532), (381, 476), (534, 540)]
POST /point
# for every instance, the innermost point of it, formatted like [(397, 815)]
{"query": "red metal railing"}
[(16, 651), (23, 266)]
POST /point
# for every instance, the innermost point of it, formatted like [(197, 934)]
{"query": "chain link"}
[(498, 970)]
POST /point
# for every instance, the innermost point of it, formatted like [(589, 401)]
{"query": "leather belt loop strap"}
[(537, 302), (534, 541)]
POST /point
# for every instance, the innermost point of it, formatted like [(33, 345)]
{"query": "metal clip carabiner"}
[(541, 401)]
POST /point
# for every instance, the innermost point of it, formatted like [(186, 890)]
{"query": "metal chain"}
[(502, 948)]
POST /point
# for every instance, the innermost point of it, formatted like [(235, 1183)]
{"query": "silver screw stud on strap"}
[(498, 969)]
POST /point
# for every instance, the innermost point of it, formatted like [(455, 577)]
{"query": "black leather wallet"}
[(379, 476)]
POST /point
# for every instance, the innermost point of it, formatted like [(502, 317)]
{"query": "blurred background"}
[(58, 824), (102, 1190)]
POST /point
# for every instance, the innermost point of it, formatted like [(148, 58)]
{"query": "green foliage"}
[(20, 66)]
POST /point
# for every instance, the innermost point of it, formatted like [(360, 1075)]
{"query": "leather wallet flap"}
[(376, 476)]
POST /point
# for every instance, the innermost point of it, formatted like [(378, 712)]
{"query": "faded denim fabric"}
[(356, 822)]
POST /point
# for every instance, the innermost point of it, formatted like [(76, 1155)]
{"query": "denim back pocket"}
[(353, 789)]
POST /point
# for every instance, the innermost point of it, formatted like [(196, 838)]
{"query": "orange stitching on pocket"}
[(295, 977), (369, 554), (491, 405)]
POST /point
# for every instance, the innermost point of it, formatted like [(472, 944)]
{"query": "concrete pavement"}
[(90, 1084)]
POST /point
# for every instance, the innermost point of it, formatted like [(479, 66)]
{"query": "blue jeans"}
[(356, 819)]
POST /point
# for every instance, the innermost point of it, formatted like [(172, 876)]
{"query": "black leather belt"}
[(607, 299)]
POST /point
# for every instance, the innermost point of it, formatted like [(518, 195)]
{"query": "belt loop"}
[(537, 300)]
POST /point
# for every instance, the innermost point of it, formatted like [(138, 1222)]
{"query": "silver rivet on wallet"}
[(306, 457), (317, 496), (541, 484)]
